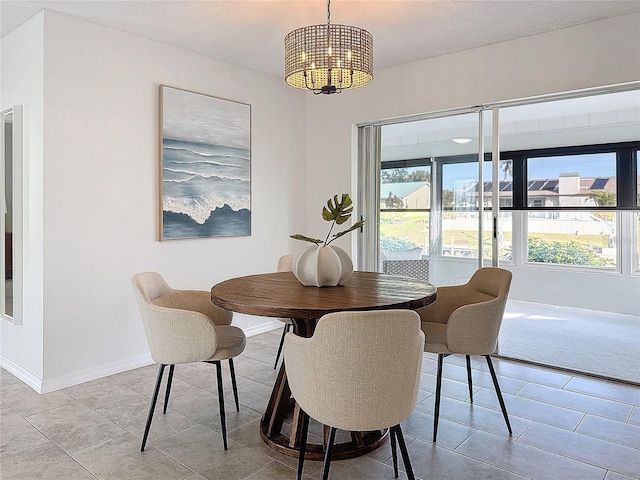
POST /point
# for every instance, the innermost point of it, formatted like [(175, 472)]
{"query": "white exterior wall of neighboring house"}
[(569, 190), (411, 194), (418, 198)]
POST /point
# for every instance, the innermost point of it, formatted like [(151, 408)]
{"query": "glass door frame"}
[(369, 165), (369, 168)]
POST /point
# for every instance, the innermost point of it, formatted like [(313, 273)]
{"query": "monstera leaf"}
[(338, 212), (304, 238)]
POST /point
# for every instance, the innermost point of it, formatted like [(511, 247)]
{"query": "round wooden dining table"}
[(282, 295)]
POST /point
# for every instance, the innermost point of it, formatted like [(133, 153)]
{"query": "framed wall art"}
[(206, 166)]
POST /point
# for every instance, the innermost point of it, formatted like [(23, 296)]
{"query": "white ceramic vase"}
[(318, 266)]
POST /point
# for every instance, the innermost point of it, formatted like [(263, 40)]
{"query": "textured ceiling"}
[(250, 33)]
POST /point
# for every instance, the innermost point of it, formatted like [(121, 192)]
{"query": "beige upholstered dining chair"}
[(466, 319), (284, 265), (360, 371), (183, 326)]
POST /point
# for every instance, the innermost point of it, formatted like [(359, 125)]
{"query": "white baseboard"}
[(20, 373), (94, 373), (262, 328), (65, 381)]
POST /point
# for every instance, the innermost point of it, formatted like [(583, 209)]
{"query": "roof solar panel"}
[(599, 183)]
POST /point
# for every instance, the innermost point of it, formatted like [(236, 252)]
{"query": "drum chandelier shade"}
[(328, 58)]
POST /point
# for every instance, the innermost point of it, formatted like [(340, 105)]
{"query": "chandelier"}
[(328, 58)]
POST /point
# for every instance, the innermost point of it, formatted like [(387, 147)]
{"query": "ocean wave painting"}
[(206, 166)]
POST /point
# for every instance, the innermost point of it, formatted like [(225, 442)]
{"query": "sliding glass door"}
[(434, 204), (556, 201)]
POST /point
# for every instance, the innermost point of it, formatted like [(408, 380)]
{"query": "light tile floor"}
[(564, 427)]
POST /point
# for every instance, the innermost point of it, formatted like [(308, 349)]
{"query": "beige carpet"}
[(600, 343)]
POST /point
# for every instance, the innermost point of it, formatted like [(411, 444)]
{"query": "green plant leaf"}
[(338, 211), (304, 238)]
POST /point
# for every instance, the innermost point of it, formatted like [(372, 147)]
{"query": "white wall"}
[(22, 54), (591, 55), (101, 189)]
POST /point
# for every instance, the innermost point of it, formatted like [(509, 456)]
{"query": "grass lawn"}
[(413, 227)]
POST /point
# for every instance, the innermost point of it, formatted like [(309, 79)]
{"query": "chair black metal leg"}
[(469, 381), (223, 422), (394, 451), (499, 393), (404, 452), (152, 407), (328, 453), (286, 328), (166, 395), (436, 413), (234, 384), (303, 443)]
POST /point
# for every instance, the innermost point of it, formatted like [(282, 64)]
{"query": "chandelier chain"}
[(328, 12)]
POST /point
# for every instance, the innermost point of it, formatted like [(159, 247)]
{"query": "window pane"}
[(505, 183), (404, 234), (505, 236), (572, 238), (638, 178), (459, 186), (460, 180), (405, 188), (572, 181), (460, 234), (505, 186)]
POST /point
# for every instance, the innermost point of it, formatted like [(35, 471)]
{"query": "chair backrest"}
[(473, 327), (285, 263), (360, 371), (151, 286), (490, 282), (174, 335)]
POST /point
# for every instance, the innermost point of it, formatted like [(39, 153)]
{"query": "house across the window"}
[(569, 190)]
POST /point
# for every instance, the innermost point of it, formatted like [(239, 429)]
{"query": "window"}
[(572, 180), (571, 200), (505, 184), (568, 190), (405, 201), (459, 200), (580, 238)]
